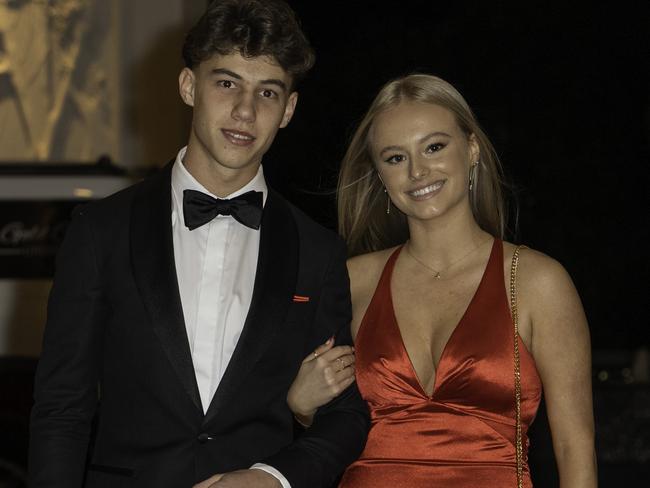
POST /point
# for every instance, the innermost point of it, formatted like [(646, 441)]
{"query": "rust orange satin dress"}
[(463, 435)]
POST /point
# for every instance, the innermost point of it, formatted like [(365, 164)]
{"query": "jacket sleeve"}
[(338, 434), (66, 390)]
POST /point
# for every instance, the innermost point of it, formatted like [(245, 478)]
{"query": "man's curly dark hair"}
[(251, 28)]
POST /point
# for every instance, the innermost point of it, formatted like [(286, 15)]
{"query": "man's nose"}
[(244, 108)]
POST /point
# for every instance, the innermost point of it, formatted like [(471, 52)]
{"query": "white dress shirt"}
[(215, 267)]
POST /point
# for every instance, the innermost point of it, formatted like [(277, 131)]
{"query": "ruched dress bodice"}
[(463, 434)]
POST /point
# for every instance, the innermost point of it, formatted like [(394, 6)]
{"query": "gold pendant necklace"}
[(437, 273)]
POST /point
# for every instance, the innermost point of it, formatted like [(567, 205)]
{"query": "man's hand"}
[(245, 478)]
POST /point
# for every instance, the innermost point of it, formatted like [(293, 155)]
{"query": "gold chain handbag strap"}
[(515, 320)]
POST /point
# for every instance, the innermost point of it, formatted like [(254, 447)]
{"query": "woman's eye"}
[(431, 148), (394, 159)]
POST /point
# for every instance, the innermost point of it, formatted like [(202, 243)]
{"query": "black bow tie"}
[(199, 208)]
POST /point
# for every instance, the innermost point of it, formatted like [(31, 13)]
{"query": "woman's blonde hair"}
[(363, 221)]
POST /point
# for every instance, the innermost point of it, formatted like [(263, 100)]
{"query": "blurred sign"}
[(35, 210), (30, 234)]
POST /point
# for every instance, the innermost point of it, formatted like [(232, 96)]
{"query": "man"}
[(188, 316)]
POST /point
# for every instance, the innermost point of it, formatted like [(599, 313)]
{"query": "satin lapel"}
[(152, 259), (275, 282)]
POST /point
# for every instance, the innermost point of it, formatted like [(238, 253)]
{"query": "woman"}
[(435, 292)]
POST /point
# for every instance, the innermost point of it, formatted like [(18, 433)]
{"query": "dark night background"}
[(561, 88)]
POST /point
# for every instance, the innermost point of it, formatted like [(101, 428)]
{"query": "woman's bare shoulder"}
[(365, 269), (543, 283), (537, 271)]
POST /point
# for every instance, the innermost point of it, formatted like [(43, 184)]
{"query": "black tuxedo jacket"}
[(115, 345)]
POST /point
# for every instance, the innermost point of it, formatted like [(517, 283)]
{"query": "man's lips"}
[(238, 138), (424, 192)]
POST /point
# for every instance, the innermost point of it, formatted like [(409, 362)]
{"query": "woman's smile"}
[(424, 193)]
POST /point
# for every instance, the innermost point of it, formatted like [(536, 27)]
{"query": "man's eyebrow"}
[(271, 81), (224, 71)]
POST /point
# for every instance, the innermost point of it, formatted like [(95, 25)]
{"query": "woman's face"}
[(423, 158)]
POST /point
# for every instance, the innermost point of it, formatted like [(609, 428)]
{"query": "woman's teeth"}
[(429, 189)]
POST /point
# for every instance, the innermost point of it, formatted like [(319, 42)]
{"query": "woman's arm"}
[(323, 375), (328, 371), (561, 348)]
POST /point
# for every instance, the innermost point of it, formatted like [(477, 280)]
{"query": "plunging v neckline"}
[(443, 354)]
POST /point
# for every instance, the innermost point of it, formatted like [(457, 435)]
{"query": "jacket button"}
[(203, 438)]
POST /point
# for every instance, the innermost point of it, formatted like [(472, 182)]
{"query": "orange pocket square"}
[(300, 299)]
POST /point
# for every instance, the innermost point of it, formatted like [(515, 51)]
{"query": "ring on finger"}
[(341, 364)]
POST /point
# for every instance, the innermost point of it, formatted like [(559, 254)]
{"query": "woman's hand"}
[(324, 374)]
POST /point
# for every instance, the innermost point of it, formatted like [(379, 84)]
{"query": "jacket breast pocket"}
[(301, 312)]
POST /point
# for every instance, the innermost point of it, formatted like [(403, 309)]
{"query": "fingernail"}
[(330, 340)]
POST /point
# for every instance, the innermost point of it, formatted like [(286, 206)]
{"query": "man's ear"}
[(186, 81), (289, 109)]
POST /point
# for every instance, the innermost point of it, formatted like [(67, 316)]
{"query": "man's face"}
[(239, 105)]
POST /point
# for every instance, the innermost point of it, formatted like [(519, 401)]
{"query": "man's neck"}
[(219, 180)]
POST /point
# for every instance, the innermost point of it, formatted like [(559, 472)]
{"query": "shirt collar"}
[(183, 180)]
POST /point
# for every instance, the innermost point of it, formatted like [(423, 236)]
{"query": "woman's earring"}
[(387, 201), (472, 175)]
